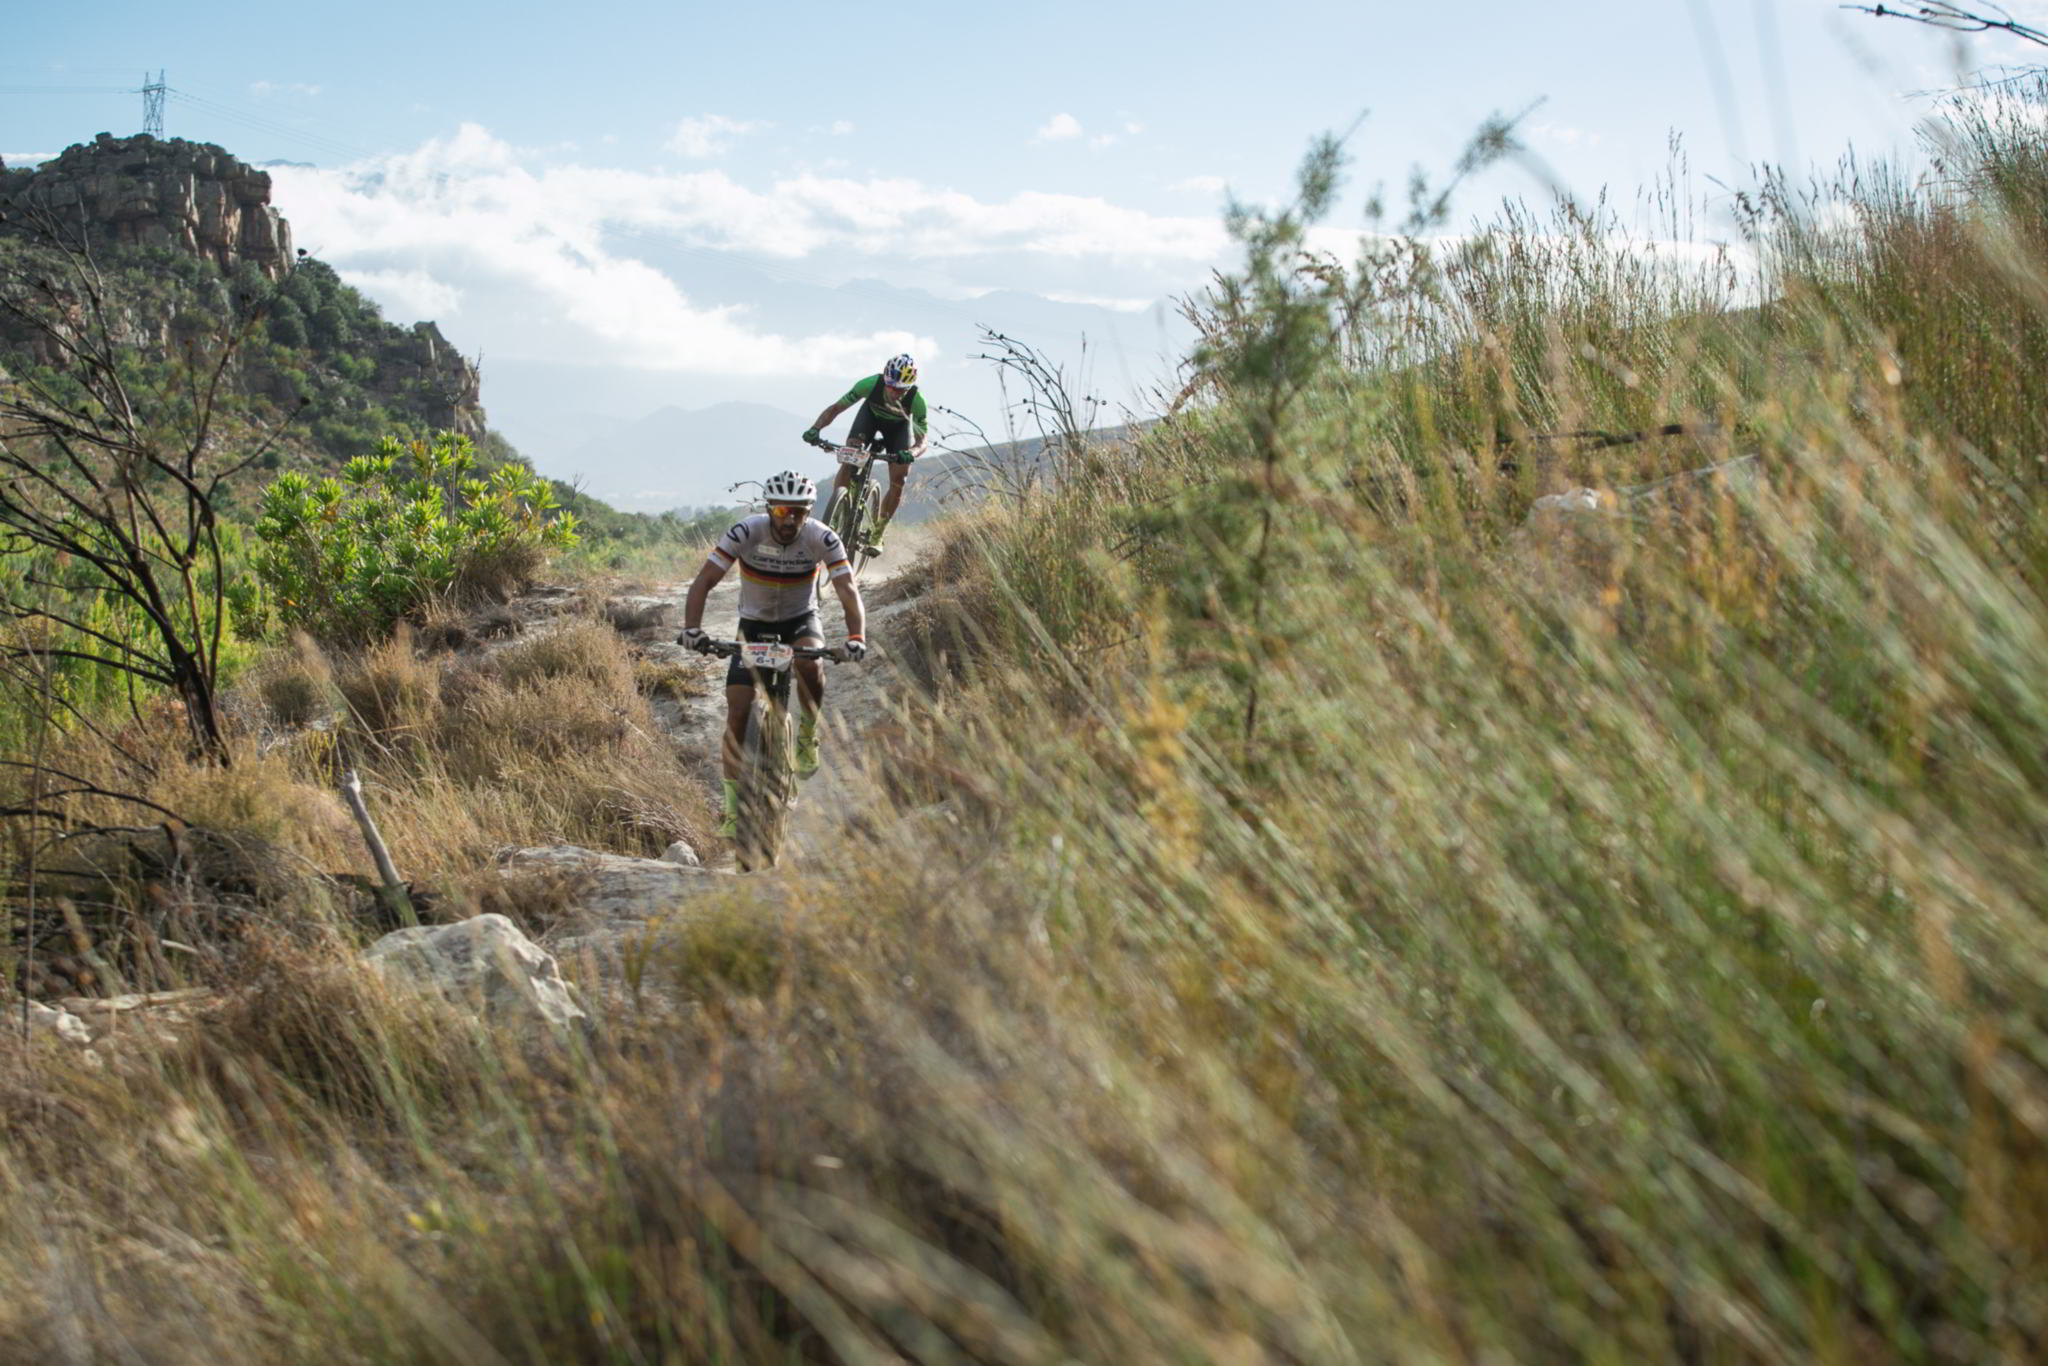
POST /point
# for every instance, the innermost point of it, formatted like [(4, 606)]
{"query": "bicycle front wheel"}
[(844, 516), (765, 784), (870, 520)]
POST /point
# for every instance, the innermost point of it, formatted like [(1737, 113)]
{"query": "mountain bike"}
[(857, 509), (767, 776)]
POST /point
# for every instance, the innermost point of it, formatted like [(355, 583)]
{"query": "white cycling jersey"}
[(777, 581)]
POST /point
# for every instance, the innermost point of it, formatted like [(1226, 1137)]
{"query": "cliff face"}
[(150, 192), (419, 367), (196, 200)]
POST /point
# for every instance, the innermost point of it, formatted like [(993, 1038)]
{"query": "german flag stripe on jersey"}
[(769, 576)]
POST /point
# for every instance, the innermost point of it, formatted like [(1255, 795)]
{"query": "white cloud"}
[(1201, 184), (407, 294), (709, 135), (265, 89), (1067, 128), (840, 128), (558, 262), (1059, 128), (1564, 134), (17, 160)]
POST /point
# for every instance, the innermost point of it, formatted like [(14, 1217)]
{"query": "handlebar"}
[(834, 448), (726, 649)]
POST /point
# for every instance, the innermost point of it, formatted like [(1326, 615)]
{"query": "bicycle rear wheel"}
[(764, 787)]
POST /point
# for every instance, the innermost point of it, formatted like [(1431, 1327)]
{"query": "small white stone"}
[(62, 1023)]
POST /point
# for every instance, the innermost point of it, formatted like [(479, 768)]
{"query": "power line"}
[(243, 118), (157, 93)]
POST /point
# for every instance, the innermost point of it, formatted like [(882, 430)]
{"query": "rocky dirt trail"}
[(619, 908), (615, 902), (612, 908), (858, 697)]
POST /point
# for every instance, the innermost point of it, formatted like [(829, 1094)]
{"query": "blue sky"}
[(630, 205)]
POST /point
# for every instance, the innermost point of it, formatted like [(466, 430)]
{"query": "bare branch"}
[(96, 469), (1955, 19)]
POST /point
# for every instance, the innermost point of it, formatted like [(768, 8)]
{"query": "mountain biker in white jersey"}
[(779, 553), (891, 408)]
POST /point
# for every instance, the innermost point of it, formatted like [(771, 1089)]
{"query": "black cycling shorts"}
[(890, 434), (738, 675)]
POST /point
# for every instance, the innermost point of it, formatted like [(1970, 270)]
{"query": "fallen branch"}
[(393, 887)]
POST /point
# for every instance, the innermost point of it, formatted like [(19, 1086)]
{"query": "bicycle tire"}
[(841, 514), (853, 516), (870, 518), (764, 786)]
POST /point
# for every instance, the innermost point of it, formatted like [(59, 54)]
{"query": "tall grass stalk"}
[(1618, 938)]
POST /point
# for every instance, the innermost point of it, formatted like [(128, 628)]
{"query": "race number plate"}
[(850, 455), (767, 654)]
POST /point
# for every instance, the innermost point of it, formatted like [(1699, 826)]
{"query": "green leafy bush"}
[(347, 558)]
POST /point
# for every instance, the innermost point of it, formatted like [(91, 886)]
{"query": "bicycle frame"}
[(766, 783), (857, 508)]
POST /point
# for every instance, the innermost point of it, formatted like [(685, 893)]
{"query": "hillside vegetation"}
[(1327, 913), (167, 365)]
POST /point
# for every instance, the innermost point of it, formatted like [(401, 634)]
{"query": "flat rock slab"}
[(611, 888)]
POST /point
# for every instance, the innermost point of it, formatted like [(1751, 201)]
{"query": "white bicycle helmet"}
[(789, 487), (901, 372)]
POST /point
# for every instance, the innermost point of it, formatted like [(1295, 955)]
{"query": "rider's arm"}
[(849, 601), (860, 390), (700, 589), (825, 418)]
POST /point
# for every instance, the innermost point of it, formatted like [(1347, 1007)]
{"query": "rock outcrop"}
[(613, 889), (197, 199), (483, 962), (418, 370), (152, 192)]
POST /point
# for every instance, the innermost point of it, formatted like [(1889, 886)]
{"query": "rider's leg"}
[(739, 703), (810, 678), (810, 693), (898, 472)]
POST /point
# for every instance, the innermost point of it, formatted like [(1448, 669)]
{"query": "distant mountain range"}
[(648, 466), (670, 457)]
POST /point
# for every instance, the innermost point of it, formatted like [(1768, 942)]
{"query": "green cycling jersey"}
[(875, 395)]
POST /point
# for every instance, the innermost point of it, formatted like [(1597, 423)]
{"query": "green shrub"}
[(345, 559)]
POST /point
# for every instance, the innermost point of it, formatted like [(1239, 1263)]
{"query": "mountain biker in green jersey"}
[(781, 553), (891, 407)]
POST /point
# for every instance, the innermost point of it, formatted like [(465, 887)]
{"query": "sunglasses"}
[(784, 513)]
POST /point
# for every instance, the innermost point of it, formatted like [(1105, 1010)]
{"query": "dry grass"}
[(545, 740), (1417, 959)]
